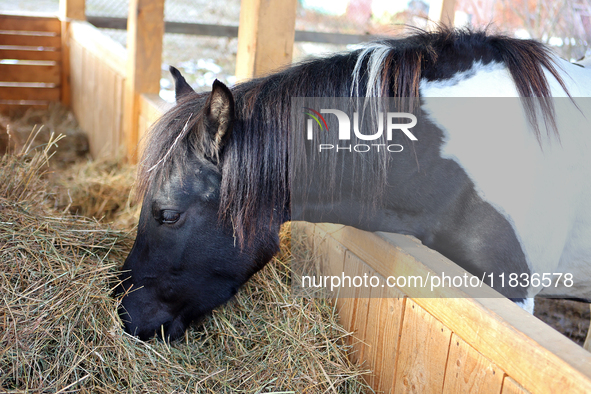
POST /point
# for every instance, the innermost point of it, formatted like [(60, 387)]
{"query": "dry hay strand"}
[(15, 132), (100, 189), (22, 174), (61, 333)]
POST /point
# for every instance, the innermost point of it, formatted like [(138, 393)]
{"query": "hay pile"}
[(100, 189), (59, 331), (15, 131)]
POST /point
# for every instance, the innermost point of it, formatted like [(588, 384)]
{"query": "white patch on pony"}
[(527, 305), (543, 192)]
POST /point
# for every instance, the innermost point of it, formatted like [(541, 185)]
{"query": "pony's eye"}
[(169, 217)]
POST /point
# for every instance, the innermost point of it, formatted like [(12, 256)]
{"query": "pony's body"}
[(494, 197), (544, 190)]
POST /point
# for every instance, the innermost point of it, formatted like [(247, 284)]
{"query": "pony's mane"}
[(255, 166)]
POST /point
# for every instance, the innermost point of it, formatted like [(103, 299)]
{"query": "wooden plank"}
[(30, 73), (331, 256), (118, 92), (348, 305), (92, 97), (203, 29), (384, 322), (69, 10), (510, 386), (98, 87), (357, 269), (333, 38), (28, 93), (265, 36), (30, 40), (145, 30), (390, 321), (199, 29), (153, 106), (66, 88), (442, 11), (87, 86), (114, 119), (108, 50), (76, 54), (424, 346), (469, 372), (372, 338), (29, 53), (30, 23), (525, 348), (99, 120), (6, 107), (72, 9)]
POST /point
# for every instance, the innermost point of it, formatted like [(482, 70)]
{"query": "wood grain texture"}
[(469, 372), (330, 255), (30, 53), (7, 107), (423, 351), (68, 10), (510, 386), (533, 354), (152, 107), (348, 305), (265, 36), (372, 338), (97, 86), (145, 29), (72, 9), (29, 93), (31, 40), (355, 268), (442, 11), (41, 23), (382, 334), (30, 73), (66, 87), (35, 41), (391, 319), (110, 51)]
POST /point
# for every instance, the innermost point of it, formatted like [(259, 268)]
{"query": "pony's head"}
[(186, 259)]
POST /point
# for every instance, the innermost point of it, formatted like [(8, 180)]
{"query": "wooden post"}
[(441, 12), (69, 10), (145, 29), (265, 36)]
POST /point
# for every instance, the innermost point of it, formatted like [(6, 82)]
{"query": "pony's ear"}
[(181, 87), (219, 112)]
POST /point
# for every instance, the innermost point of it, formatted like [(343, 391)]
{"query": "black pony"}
[(217, 170)]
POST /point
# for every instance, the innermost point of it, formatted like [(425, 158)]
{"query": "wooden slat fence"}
[(30, 60), (97, 78), (450, 344)]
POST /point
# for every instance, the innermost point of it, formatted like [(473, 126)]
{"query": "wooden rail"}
[(203, 29), (97, 78), (452, 343), (30, 60)]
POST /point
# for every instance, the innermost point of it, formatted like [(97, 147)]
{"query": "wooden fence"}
[(452, 343), (97, 80), (30, 60)]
